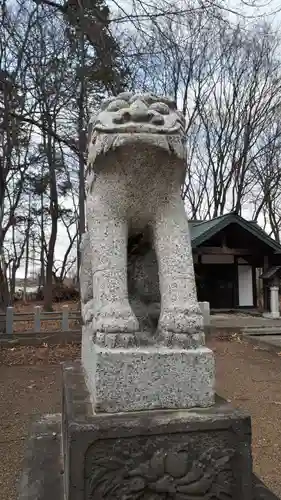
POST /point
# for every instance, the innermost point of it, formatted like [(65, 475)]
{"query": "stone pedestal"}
[(153, 454), (158, 454), (201, 453), (146, 378)]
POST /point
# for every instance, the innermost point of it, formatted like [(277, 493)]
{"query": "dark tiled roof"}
[(270, 273), (199, 228), (201, 231)]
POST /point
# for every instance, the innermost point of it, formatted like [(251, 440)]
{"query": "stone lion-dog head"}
[(136, 118)]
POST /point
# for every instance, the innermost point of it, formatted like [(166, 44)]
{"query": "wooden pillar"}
[(266, 295), (255, 291), (236, 284)]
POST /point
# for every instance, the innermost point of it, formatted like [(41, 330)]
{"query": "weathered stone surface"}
[(143, 302), (136, 165), (148, 377), (178, 468), (143, 282), (42, 477), (183, 454), (86, 280)]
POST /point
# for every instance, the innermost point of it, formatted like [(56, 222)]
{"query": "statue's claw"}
[(179, 327), (116, 318), (87, 312), (115, 340)]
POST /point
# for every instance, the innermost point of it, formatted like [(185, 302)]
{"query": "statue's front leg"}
[(113, 319), (181, 321), (86, 281)]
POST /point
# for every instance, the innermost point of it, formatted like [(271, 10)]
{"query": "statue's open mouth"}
[(129, 120), (139, 128)]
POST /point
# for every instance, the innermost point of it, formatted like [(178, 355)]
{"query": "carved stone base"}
[(150, 377), (153, 455), (184, 454)]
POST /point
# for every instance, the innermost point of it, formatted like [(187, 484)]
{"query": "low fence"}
[(64, 318), (26, 328)]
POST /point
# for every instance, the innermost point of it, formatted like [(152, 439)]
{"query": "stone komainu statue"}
[(136, 166)]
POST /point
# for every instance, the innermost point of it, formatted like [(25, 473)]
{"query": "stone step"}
[(264, 330), (42, 476)]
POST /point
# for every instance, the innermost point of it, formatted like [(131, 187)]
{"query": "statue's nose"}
[(139, 112)]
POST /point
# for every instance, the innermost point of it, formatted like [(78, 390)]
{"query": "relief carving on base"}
[(167, 475)]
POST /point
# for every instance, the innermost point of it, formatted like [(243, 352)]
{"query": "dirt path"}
[(250, 378), (30, 385)]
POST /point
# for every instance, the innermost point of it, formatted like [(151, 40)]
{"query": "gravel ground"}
[(249, 377)]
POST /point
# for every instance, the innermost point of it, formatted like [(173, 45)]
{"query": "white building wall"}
[(245, 285)]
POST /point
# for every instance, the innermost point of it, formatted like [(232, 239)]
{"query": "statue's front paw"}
[(115, 340), (181, 327), (180, 319), (87, 312), (116, 318)]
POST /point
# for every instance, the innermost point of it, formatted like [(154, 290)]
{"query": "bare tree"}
[(14, 138), (244, 101), (266, 195)]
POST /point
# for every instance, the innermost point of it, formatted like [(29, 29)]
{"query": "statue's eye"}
[(106, 103), (160, 107), (117, 105)]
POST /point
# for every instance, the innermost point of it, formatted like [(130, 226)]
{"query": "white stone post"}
[(205, 309), (9, 320), (37, 319), (274, 302), (65, 319)]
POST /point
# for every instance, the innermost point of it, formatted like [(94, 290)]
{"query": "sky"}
[(249, 8)]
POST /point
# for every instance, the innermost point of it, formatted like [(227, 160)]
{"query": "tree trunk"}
[(42, 254), (27, 249), (54, 212), (4, 298), (82, 145), (14, 269), (48, 288), (4, 293)]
